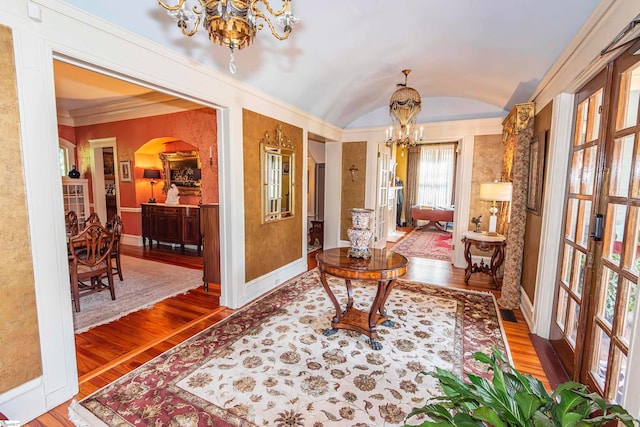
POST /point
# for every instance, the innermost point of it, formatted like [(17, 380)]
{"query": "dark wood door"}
[(596, 289), (616, 267)]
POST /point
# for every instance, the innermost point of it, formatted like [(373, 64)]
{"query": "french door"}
[(382, 197), (596, 288), (574, 279)]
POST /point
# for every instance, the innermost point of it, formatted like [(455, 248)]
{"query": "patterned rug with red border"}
[(269, 363), (428, 243)]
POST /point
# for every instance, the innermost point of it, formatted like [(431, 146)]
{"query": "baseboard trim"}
[(527, 310), (131, 239), (260, 286), (25, 402)]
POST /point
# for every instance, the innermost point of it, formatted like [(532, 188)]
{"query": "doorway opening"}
[(315, 193), (97, 115)]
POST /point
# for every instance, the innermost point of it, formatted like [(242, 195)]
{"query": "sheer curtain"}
[(436, 169)]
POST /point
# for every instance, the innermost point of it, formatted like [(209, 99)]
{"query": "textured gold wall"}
[(19, 341), (487, 167), (274, 244), (353, 154), (534, 222)]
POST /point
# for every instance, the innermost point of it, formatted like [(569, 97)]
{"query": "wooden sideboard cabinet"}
[(178, 224), (210, 229)]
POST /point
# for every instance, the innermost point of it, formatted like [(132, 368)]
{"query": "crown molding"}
[(146, 105)]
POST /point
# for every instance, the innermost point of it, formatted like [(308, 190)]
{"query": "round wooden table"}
[(383, 267)]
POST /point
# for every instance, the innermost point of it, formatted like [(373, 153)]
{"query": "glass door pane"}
[(629, 98), (608, 333)]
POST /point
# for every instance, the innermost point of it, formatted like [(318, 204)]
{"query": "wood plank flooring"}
[(107, 352)]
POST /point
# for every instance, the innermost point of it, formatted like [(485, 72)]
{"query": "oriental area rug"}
[(426, 243), (144, 284), (269, 364)]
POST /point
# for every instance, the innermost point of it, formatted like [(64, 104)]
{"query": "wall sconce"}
[(353, 169), (495, 192), (153, 174)]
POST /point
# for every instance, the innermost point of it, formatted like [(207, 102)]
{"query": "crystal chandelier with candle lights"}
[(404, 107), (231, 23)]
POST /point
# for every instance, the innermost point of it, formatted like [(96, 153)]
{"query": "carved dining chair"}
[(93, 219), (71, 222), (89, 261), (115, 225)]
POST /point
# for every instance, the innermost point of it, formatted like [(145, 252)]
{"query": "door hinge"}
[(600, 109)]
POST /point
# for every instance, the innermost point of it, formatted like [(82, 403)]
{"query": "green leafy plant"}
[(513, 399)]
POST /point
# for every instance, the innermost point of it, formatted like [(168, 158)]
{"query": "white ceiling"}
[(470, 58)]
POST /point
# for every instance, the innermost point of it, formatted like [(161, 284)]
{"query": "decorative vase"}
[(360, 234), (73, 173)]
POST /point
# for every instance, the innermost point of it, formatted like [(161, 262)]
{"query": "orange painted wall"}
[(195, 127), (67, 132)]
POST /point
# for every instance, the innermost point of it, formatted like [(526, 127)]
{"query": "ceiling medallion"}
[(404, 106), (231, 23)]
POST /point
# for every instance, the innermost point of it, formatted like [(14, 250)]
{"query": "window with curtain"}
[(436, 172), (63, 159)]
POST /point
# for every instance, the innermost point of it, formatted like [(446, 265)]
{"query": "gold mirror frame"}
[(277, 172), (178, 169)]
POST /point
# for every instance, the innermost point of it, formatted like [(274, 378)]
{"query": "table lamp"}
[(495, 192), (153, 174)]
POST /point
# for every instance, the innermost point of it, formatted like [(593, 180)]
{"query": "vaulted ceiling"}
[(470, 58)]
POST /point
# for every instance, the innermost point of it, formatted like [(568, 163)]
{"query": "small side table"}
[(486, 243)]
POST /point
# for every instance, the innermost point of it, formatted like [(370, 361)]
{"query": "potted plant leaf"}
[(512, 399)]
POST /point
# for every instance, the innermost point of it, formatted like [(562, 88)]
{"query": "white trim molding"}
[(555, 182), (526, 307)]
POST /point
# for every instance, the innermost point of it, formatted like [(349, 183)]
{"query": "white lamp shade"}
[(495, 191)]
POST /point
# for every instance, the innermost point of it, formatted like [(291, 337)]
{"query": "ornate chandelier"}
[(404, 107), (231, 23)]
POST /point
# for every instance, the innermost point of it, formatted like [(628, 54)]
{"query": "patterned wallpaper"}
[(487, 167), (19, 339), (353, 154)]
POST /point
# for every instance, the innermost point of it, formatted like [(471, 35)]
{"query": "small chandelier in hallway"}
[(404, 106), (231, 23)]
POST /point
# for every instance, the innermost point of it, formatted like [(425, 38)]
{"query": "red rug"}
[(427, 243)]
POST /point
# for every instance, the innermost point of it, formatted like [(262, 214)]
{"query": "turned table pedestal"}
[(382, 267)]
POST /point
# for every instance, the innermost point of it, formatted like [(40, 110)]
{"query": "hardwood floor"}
[(108, 352)]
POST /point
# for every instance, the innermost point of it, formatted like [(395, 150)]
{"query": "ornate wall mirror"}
[(277, 160), (182, 168)]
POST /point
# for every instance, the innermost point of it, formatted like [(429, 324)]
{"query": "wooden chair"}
[(71, 221), (93, 219), (89, 260), (115, 225)]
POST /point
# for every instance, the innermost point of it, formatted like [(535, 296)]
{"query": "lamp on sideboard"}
[(495, 192), (152, 174)]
